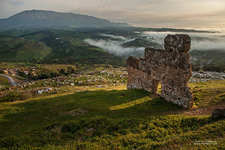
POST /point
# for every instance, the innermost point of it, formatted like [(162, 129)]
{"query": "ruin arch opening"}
[(155, 86), (159, 88)]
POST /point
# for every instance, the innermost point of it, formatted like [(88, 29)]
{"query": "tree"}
[(30, 75), (73, 70), (62, 71), (1, 71), (69, 69), (54, 74)]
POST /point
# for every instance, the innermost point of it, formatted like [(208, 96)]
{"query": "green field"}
[(54, 47), (112, 118), (4, 82), (15, 48)]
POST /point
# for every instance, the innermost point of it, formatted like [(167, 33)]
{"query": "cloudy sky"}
[(144, 13)]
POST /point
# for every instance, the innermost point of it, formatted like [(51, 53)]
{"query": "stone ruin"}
[(170, 67)]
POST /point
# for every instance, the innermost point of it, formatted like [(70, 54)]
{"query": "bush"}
[(1, 71), (13, 96), (70, 127), (22, 74), (25, 95), (151, 126), (157, 133)]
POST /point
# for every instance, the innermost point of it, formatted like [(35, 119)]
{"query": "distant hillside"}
[(39, 19), (54, 47), (141, 42)]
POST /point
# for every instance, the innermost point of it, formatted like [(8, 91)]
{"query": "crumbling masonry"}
[(170, 67)]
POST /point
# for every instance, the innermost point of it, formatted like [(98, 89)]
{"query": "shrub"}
[(1, 71), (22, 74), (25, 95), (70, 127), (151, 126), (153, 134), (157, 133), (13, 96)]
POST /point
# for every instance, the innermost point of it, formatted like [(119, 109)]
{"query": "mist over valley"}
[(134, 45)]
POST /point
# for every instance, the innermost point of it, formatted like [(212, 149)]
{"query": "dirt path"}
[(203, 111), (194, 112), (43, 53)]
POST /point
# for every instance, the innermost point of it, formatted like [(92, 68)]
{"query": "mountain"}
[(40, 19)]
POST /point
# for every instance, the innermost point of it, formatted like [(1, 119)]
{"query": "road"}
[(12, 82)]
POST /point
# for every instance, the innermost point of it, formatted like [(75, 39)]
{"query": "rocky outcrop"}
[(170, 67)]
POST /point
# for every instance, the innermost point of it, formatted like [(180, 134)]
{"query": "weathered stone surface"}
[(171, 67), (218, 112)]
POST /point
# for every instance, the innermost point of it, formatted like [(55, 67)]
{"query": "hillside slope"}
[(112, 118), (40, 19), (54, 47)]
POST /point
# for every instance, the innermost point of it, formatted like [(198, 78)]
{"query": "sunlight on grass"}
[(70, 90), (159, 88), (130, 104), (209, 84)]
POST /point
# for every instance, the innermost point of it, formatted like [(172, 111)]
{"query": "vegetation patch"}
[(207, 93), (13, 96), (4, 82)]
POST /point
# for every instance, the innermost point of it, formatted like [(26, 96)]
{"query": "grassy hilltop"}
[(103, 114)]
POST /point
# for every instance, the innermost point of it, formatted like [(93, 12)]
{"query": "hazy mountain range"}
[(39, 19)]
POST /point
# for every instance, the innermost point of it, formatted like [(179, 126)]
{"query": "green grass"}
[(4, 82), (9, 56), (109, 118), (58, 47), (100, 102), (103, 119), (208, 93), (19, 78), (14, 48)]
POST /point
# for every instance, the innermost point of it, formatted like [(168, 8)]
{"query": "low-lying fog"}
[(114, 45), (199, 41)]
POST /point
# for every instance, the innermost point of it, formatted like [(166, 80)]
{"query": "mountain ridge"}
[(42, 19)]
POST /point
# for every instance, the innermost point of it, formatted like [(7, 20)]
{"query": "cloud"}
[(16, 3), (151, 13), (208, 45), (200, 41), (114, 37), (162, 16), (115, 47)]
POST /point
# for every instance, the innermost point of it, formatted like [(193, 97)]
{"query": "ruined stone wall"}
[(170, 67)]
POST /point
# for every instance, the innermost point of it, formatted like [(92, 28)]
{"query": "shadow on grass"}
[(22, 116)]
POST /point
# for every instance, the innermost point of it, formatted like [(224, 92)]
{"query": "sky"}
[(189, 14)]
